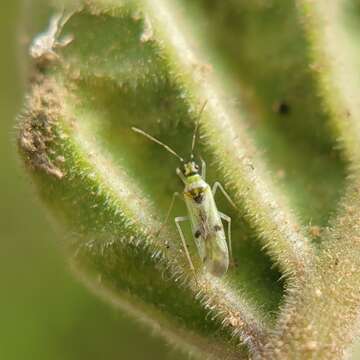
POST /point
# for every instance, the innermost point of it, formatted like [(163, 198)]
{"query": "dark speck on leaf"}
[(282, 107)]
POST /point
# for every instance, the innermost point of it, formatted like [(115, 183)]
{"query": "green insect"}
[(205, 219)]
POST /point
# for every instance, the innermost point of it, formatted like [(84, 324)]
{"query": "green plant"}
[(280, 130)]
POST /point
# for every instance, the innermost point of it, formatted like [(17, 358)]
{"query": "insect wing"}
[(216, 260), (209, 234), (197, 226)]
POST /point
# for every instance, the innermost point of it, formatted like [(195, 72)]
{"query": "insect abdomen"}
[(216, 260)]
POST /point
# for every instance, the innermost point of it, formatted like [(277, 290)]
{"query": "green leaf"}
[(265, 134)]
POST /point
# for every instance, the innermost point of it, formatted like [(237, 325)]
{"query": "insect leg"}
[(168, 213), (181, 175), (203, 169), (177, 222), (218, 185), (228, 220)]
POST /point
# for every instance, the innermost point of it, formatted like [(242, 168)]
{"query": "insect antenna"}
[(197, 128), (166, 147)]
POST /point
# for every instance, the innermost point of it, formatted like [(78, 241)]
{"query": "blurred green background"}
[(45, 313)]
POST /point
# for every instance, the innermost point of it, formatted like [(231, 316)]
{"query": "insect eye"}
[(197, 167)]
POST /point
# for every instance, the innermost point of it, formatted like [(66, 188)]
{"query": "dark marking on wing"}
[(217, 227), (197, 234)]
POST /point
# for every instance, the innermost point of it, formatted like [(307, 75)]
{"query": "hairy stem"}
[(326, 309)]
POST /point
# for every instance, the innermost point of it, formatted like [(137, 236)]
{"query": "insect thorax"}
[(195, 188)]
